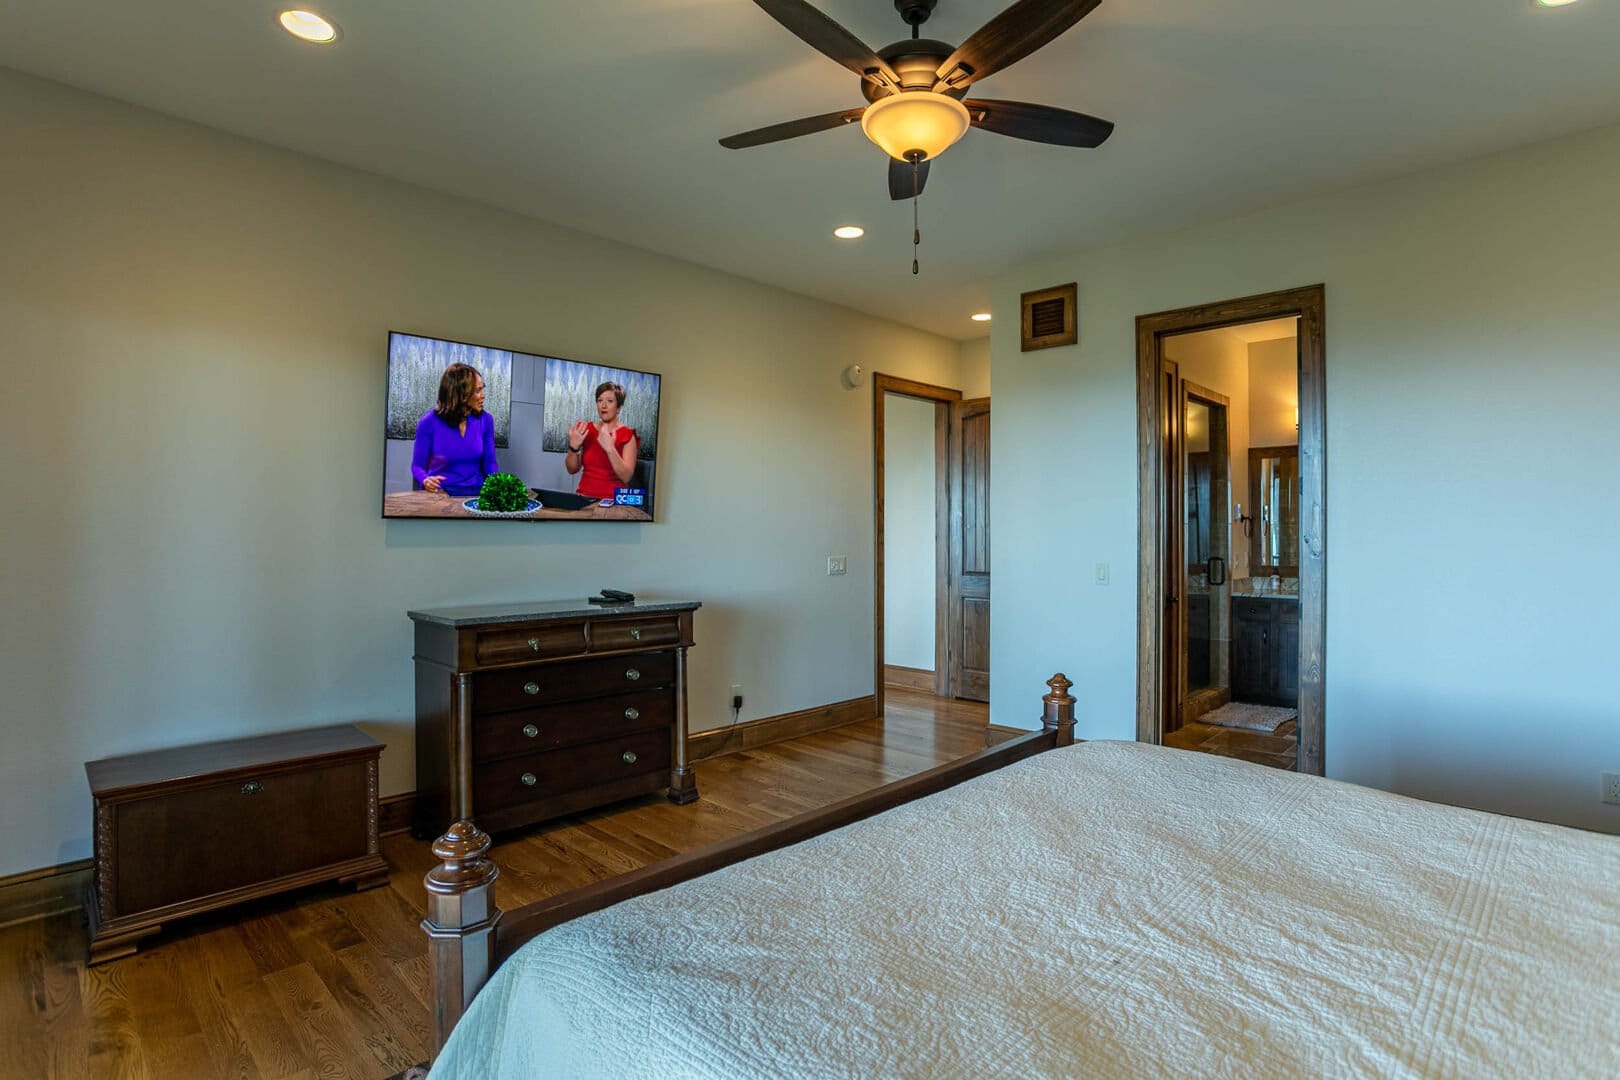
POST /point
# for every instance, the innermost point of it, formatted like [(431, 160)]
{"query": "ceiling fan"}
[(916, 87)]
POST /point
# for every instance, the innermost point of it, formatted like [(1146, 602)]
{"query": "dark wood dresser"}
[(198, 827), (529, 711)]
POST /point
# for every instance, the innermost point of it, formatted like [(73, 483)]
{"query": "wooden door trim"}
[(943, 398), (1309, 303)]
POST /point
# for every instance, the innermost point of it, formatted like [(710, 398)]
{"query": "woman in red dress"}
[(605, 451)]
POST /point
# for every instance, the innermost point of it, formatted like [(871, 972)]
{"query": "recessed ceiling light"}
[(309, 26), (980, 316), (849, 232), (1551, 3)]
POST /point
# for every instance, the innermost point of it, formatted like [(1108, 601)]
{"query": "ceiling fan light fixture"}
[(915, 122)]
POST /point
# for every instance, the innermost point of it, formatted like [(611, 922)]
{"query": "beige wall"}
[(975, 360), (1473, 365), (908, 532), (193, 332), (1273, 392)]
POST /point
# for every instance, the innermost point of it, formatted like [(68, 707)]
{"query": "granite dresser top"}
[(541, 610)]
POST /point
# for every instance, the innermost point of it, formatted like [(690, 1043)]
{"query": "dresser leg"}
[(682, 784), (682, 787)]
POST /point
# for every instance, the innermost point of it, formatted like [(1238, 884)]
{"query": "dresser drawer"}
[(519, 688), (513, 781), (191, 844), (634, 633), (532, 643), (525, 731)]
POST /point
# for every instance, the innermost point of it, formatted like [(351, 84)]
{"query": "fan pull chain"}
[(916, 232)]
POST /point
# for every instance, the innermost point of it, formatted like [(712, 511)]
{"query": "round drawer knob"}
[(534, 644), (252, 787), (528, 779), (530, 730), (632, 674), (531, 688), (632, 713), (629, 757)]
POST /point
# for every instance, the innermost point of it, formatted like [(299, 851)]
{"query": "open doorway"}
[(1232, 518), (932, 532)]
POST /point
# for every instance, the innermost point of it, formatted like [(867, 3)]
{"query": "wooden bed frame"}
[(469, 936)]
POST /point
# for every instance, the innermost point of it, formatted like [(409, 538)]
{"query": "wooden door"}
[(970, 551)]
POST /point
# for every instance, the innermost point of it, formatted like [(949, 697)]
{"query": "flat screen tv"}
[(564, 440)]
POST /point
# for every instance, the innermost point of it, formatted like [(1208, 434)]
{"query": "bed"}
[(1052, 909)]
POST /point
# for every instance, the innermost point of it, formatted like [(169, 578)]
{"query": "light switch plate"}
[(837, 564), (1102, 573)]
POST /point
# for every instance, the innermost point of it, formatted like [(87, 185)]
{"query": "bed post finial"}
[(460, 924), (1058, 715)]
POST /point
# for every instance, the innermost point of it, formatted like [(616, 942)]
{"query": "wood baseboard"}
[(38, 894), (772, 729), (915, 678), (394, 813), (998, 733)]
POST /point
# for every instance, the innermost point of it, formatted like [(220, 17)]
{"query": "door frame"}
[(943, 398), (1309, 303)]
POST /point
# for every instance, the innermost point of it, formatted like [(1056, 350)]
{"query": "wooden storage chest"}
[(198, 827)]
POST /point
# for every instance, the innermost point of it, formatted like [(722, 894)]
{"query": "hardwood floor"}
[(330, 983), (1278, 749)]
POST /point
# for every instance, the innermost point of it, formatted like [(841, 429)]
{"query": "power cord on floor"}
[(731, 729)]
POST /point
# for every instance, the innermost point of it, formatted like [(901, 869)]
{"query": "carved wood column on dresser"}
[(529, 711)]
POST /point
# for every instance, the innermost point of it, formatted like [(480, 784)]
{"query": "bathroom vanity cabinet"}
[(1265, 649)]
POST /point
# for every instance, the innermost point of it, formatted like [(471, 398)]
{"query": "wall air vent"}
[(1048, 318)]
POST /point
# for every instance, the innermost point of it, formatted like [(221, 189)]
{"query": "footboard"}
[(469, 936)]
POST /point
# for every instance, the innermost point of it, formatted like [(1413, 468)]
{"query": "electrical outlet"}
[(837, 564), (1611, 787), (734, 698)]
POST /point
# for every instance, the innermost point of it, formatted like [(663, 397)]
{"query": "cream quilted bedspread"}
[(1110, 909)]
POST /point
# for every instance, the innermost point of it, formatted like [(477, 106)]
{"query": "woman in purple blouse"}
[(455, 442)]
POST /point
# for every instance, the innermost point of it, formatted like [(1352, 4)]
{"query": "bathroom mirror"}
[(1274, 504)]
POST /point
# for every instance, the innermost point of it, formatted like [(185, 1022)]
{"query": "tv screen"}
[(478, 432)]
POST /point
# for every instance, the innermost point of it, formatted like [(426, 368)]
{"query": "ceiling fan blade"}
[(1008, 38), (900, 180), (792, 129), (1038, 123), (828, 38)]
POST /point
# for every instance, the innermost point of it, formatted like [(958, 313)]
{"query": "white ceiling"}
[(603, 116)]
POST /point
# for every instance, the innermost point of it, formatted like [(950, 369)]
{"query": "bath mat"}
[(1249, 717)]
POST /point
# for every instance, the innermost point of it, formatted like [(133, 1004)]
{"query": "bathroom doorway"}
[(1232, 583)]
